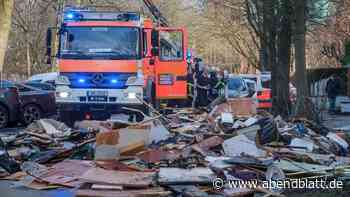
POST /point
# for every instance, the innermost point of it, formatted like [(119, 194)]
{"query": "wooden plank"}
[(67, 173), (106, 187), (122, 178), (134, 147), (204, 146), (173, 176), (108, 138)]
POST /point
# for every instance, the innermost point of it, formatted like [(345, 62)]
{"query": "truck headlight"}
[(132, 95), (63, 94)]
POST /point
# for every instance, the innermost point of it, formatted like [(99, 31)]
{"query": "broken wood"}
[(121, 178), (132, 148)]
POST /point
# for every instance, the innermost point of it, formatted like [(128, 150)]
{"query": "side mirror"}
[(155, 38), (251, 92), (48, 45), (155, 51)]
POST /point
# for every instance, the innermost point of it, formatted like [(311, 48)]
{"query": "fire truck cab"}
[(111, 60)]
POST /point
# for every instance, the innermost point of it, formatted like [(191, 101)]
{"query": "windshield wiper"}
[(70, 52), (77, 54), (117, 55)]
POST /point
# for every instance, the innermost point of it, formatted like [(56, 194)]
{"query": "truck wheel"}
[(31, 113), (149, 89), (156, 104), (151, 96), (4, 117), (67, 117)]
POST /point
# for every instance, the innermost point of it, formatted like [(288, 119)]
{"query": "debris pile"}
[(179, 153)]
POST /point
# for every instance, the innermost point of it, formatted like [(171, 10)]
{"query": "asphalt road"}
[(11, 189)]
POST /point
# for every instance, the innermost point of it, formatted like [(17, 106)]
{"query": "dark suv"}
[(35, 103), (9, 105)]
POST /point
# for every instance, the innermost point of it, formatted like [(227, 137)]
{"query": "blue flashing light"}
[(81, 80), (70, 16), (114, 81)]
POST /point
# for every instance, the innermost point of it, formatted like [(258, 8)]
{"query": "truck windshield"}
[(100, 43)]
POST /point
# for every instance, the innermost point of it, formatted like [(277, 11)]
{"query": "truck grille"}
[(98, 80)]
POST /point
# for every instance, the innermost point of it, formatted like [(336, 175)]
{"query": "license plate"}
[(97, 98), (97, 93)]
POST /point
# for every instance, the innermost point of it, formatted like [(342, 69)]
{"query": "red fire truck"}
[(110, 60)]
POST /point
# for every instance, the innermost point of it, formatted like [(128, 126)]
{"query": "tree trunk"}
[(280, 76), (6, 7), (299, 36), (269, 34)]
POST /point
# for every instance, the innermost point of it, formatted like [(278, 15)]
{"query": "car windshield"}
[(235, 84), (251, 78), (41, 86), (251, 86), (100, 43)]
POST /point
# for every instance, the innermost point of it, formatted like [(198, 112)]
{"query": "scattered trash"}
[(178, 153), (106, 145), (239, 145)]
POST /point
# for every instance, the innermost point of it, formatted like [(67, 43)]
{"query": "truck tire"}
[(67, 117), (151, 96), (150, 90), (4, 117)]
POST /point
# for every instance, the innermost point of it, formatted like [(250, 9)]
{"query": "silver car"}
[(236, 87)]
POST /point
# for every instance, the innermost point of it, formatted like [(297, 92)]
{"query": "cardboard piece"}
[(241, 144)]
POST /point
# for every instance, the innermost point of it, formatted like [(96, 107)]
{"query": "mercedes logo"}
[(97, 79)]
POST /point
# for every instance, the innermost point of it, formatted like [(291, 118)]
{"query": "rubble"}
[(178, 153)]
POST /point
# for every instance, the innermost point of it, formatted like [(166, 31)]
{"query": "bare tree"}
[(6, 7), (272, 23)]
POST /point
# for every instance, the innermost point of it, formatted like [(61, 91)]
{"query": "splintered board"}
[(121, 178)]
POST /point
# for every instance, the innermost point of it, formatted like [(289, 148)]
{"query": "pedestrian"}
[(333, 90)]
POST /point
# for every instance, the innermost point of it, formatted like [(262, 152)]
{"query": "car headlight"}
[(132, 95), (63, 94)]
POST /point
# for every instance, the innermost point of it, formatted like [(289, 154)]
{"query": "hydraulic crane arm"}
[(156, 13)]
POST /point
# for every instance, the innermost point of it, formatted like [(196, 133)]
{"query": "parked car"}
[(9, 105), (34, 103), (40, 85), (236, 87), (44, 78), (263, 89), (252, 87)]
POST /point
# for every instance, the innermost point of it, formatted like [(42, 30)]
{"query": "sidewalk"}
[(337, 121)]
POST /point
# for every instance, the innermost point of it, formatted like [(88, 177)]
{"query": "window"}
[(144, 44), (171, 45), (236, 84), (22, 88), (100, 43)]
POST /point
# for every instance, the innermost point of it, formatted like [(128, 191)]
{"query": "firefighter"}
[(226, 75), (190, 82), (202, 85), (221, 83), (213, 80), (195, 73), (197, 62)]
